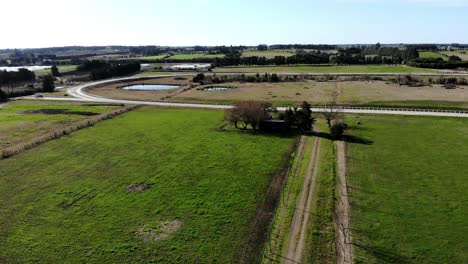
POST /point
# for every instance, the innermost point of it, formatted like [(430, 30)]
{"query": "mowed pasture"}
[(193, 56), (61, 68), (327, 69), (151, 186), (432, 55), (24, 120), (462, 54), (408, 189), (269, 53), (323, 92)]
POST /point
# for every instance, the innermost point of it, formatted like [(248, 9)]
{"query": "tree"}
[(262, 47), (454, 58), (332, 113), (305, 119), (199, 78), (337, 130), (48, 84), (3, 96), (233, 116), (55, 71), (250, 113), (300, 119)]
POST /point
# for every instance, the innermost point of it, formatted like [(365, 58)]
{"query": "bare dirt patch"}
[(162, 231), (343, 223), (139, 188), (300, 222), (58, 112)]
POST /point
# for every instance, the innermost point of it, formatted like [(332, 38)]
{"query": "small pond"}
[(150, 87)]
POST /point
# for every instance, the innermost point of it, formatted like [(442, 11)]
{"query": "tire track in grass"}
[(300, 222), (280, 228), (343, 227)]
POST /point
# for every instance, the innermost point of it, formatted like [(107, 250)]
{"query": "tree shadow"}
[(345, 138), (357, 140), (383, 255)]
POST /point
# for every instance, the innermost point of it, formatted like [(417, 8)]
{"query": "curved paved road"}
[(79, 95)]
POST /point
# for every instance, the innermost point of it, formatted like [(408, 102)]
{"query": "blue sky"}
[(224, 22)]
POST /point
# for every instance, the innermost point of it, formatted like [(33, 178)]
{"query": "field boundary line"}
[(344, 242), (63, 131), (301, 217), (271, 250)]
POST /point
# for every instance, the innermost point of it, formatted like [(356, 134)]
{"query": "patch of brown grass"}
[(162, 231)]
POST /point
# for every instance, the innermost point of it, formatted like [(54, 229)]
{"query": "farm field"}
[(62, 69), (182, 56), (432, 55), (328, 69), (462, 54), (342, 92), (268, 54), (156, 57), (408, 190), (19, 123), (152, 185)]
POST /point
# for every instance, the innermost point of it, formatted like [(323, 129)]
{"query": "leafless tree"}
[(249, 113), (332, 113)]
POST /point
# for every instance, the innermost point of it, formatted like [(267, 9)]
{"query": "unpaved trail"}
[(300, 221), (344, 245), (286, 198)]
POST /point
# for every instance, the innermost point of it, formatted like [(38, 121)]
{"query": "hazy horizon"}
[(54, 23)]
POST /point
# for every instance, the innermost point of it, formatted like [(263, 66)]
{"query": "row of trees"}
[(12, 78), (439, 63), (258, 115), (102, 70)]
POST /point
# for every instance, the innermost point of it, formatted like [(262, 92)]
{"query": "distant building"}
[(188, 67)]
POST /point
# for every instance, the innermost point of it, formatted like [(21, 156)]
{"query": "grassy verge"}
[(153, 185), (321, 234), (282, 222), (408, 190)]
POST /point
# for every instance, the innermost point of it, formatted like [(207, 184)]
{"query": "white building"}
[(188, 67)]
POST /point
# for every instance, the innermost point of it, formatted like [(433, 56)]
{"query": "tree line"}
[(259, 116), (102, 69), (439, 63), (12, 78)]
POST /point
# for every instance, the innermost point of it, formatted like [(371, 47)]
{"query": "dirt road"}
[(300, 222), (343, 232)]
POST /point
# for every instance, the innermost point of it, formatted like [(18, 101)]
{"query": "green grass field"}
[(193, 56), (321, 234), (156, 57), (329, 69), (69, 202), (408, 190), (462, 54), (62, 69), (17, 126), (268, 54), (432, 55)]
